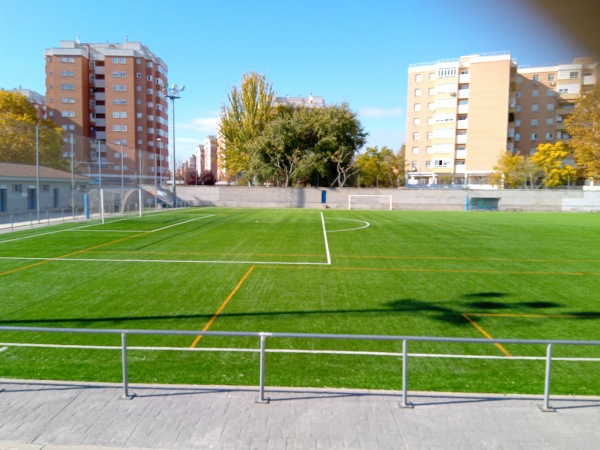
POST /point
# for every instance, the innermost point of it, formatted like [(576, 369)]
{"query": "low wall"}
[(408, 199)]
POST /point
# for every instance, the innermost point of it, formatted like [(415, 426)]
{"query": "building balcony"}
[(461, 139), (100, 96), (462, 124), (460, 168), (463, 109), (464, 78), (589, 79), (461, 154), (463, 93)]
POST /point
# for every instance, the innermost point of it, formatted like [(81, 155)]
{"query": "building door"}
[(31, 198), (3, 205), (55, 202)]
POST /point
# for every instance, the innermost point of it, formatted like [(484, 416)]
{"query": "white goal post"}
[(357, 201), (112, 202)]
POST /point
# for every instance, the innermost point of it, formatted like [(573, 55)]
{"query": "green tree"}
[(584, 127), (340, 136), (19, 126), (550, 160), (250, 109), (286, 151), (378, 167)]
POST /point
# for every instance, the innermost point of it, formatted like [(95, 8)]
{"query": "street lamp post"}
[(156, 154), (173, 93)]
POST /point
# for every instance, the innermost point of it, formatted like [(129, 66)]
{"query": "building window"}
[(551, 77), (139, 115), (446, 72), (416, 136), (534, 122), (517, 122), (427, 164), (149, 64), (417, 107), (123, 115), (123, 101), (550, 121), (534, 136), (414, 164), (123, 127), (122, 60), (17, 188), (138, 75), (123, 87), (115, 115), (519, 94), (550, 107), (518, 108), (115, 127), (416, 121), (535, 107), (149, 78), (429, 135), (431, 106), (123, 74), (138, 60), (115, 74), (549, 136), (415, 150), (138, 88), (431, 76), (535, 93), (517, 137), (430, 121), (551, 93), (140, 128), (115, 101), (417, 92), (574, 74), (418, 77), (115, 87)]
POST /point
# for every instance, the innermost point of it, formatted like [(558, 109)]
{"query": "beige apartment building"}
[(109, 97), (463, 113)]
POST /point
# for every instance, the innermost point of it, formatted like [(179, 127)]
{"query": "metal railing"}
[(263, 336)]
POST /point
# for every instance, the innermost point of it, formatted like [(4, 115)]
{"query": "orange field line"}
[(485, 333), (457, 258), (222, 307), (533, 316), (8, 272), (410, 269)]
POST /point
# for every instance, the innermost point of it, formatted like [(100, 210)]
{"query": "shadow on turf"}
[(442, 313)]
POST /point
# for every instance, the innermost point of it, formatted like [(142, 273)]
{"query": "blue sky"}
[(353, 51)]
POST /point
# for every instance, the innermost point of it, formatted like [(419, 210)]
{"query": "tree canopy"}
[(249, 110), (549, 158), (381, 167), (18, 123), (584, 127)]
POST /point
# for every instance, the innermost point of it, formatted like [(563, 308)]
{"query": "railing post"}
[(405, 403), (546, 407), (126, 395), (261, 394)]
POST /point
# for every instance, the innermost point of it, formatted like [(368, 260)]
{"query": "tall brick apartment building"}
[(110, 98)]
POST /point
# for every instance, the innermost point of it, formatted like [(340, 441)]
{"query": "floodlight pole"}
[(156, 154), (173, 93)]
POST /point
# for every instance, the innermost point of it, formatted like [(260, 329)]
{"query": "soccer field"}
[(408, 273)]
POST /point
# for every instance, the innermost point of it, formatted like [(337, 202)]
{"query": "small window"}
[(17, 188), (534, 136), (550, 107), (415, 150), (417, 107), (416, 121), (535, 107), (574, 74), (549, 136), (416, 136), (418, 77), (417, 92)]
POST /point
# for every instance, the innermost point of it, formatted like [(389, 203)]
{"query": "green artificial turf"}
[(392, 273)]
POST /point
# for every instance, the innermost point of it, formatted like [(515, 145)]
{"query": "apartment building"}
[(463, 113), (110, 98)]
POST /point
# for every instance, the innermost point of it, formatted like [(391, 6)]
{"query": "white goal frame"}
[(382, 196)]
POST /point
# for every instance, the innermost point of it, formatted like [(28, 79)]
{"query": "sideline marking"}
[(61, 258), (326, 241), (222, 307), (486, 334)]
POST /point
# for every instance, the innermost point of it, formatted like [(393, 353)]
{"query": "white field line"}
[(50, 232), (181, 223), (3, 349), (367, 225), (274, 350), (168, 261), (326, 241)]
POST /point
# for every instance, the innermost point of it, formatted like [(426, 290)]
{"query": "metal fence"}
[(262, 349)]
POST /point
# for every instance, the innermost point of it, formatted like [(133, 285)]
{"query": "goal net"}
[(370, 202), (115, 202)]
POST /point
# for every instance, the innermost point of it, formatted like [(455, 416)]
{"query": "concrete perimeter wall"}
[(408, 199)]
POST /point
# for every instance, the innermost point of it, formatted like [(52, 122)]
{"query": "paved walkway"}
[(66, 415)]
